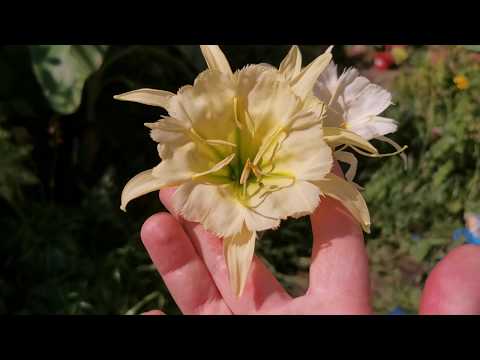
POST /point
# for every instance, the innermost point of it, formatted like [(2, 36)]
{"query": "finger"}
[(453, 286), (182, 270), (262, 290), (339, 279), (154, 312)]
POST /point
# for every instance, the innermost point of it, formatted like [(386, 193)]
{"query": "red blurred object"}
[(383, 60)]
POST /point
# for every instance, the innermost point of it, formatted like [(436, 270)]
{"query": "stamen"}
[(397, 147), (218, 166), (349, 159), (235, 113), (221, 142), (258, 173), (266, 145), (245, 172), (250, 125), (378, 155), (195, 136), (274, 188)]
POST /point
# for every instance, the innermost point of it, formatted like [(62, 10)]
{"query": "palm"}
[(190, 261)]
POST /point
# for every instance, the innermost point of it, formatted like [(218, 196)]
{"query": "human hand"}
[(191, 263)]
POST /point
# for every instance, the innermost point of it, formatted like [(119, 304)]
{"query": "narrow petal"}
[(139, 185), (151, 97), (337, 136), (350, 159), (292, 64), (304, 82), (216, 59), (238, 251), (348, 195)]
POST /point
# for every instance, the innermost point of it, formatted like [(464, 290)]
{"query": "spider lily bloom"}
[(245, 150), (354, 104)]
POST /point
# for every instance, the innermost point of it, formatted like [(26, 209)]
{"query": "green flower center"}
[(248, 162)]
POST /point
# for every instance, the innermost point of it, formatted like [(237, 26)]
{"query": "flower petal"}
[(151, 97), (326, 83), (304, 154), (238, 251), (208, 205), (330, 89), (347, 77), (348, 195), (271, 103), (139, 185), (299, 199), (216, 59), (207, 105), (304, 82), (363, 99), (189, 162), (372, 126), (292, 64), (170, 134), (337, 136)]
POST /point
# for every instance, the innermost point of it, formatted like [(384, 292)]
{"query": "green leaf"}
[(62, 71)]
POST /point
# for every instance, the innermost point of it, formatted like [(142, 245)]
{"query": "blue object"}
[(470, 238), (416, 237), (398, 311)]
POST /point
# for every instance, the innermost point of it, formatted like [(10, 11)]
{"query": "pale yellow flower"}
[(245, 150)]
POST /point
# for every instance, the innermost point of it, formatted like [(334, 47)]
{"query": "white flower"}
[(355, 103)]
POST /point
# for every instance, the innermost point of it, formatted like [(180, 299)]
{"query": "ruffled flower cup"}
[(249, 148)]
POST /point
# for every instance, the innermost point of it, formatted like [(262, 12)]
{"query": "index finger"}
[(339, 279)]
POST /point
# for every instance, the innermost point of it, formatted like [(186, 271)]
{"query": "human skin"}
[(191, 263)]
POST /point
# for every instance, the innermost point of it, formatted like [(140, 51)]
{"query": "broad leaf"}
[(62, 71)]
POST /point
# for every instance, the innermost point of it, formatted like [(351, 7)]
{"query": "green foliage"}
[(14, 174), (62, 71), (441, 125), (78, 260)]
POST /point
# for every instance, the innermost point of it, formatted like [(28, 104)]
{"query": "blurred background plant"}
[(67, 148)]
